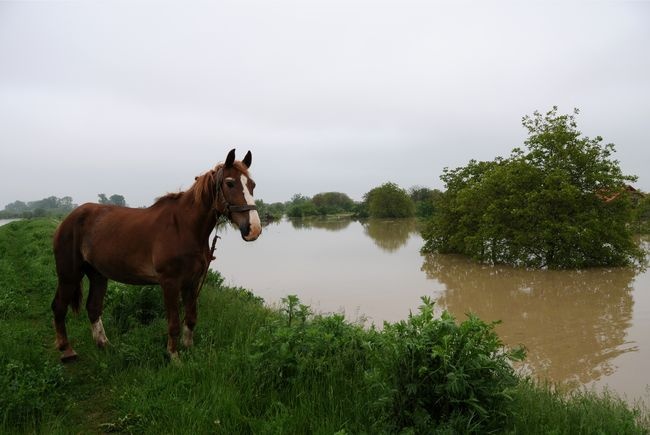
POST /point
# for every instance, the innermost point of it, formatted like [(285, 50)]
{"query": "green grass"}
[(257, 370)]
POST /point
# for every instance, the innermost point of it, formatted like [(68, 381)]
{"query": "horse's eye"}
[(230, 183)]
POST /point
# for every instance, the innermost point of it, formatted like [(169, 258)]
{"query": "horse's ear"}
[(248, 159), (230, 159)]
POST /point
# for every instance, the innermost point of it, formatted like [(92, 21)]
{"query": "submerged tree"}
[(389, 201), (549, 205)]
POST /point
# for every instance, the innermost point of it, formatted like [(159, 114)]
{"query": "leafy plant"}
[(433, 371), (297, 346)]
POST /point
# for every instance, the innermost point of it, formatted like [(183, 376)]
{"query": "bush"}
[(298, 348), (434, 372), (418, 374)]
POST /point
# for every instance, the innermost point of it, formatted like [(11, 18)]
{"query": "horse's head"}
[(235, 195)]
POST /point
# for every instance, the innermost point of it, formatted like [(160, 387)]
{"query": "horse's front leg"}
[(171, 293), (190, 295)]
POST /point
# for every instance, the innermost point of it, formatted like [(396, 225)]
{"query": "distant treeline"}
[(51, 206), (386, 201), (44, 207)]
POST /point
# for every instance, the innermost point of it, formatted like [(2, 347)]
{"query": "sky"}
[(137, 98)]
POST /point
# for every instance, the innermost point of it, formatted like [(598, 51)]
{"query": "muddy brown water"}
[(581, 328)]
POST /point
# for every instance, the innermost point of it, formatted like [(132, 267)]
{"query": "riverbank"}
[(254, 369)]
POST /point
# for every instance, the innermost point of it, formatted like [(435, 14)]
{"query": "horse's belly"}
[(127, 267)]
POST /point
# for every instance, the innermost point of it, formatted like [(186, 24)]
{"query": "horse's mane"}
[(203, 189)]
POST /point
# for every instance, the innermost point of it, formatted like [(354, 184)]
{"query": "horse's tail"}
[(69, 265), (77, 299)]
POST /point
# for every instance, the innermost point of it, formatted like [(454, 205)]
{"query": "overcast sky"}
[(136, 98)]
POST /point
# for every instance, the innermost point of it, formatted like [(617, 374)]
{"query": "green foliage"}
[(542, 409), (131, 306), (300, 206), (28, 390), (389, 201), (270, 212), (332, 203), (437, 372), (113, 199), (540, 208), (425, 200), (321, 204), (296, 348), (52, 205), (641, 214)]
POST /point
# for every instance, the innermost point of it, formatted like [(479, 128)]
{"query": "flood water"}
[(581, 328)]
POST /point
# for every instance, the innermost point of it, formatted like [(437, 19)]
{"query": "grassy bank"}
[(257, 370)]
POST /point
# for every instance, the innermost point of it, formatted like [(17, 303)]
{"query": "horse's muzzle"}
[(250, 232)]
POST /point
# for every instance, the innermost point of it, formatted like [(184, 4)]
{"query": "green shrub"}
[(434, 372), (297, 347)]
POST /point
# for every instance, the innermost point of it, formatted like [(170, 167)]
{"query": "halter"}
[(228, 208)]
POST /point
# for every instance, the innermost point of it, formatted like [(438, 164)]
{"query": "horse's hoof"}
[(175, 360), (188, 337), (69, 355), (102, 344)]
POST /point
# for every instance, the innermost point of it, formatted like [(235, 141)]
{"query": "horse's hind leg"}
[(66, 293), (95, 306), (171, 294)]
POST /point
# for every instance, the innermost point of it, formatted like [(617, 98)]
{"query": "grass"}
[(258, 370)]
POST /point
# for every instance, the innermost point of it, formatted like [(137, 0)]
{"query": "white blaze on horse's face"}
[(253, 217)]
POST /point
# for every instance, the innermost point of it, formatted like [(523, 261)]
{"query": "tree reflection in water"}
[(329, 224), (573, 323), (390, 235)]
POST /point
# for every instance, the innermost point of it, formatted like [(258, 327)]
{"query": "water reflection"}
[(329, 224), (573, 323), (390, 235)]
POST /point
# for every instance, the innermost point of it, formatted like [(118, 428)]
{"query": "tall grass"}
[(260, 370)]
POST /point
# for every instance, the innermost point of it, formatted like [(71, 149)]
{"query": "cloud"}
[(137, 98)]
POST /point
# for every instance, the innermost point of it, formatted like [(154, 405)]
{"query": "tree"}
[(113, 199), (300, 206), (542, 207), (332, 203), (424, 199), (117, 200), (16, 207), (269, 212), (389, 201), (641, 213)]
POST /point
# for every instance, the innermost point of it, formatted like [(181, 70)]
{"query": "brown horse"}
[(165, 244)]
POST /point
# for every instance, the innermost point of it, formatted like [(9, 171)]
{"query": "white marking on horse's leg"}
[(175, 359), (253, 216), (188, 336), (99, 335)]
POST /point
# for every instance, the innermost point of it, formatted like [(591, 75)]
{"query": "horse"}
[(164, 244)]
